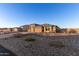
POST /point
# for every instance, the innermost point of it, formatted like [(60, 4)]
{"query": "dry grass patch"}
[(56, 44), (30, 39), (19, 35)]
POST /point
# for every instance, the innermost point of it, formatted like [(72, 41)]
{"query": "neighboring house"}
[(72, 30), (16, 29), (77, 30), (5, 29)]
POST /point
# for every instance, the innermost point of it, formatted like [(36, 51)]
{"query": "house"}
[(41, 28), (16, 29), (77, 30), (72, 30), (5, 29)]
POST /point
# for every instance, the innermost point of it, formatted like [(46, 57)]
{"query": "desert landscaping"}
[(37, 44)]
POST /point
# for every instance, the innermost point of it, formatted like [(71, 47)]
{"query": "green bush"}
[(56, 43), (30, 39)]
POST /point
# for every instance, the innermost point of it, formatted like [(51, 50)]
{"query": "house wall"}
[(51, 29), (54, 29), (38, 29), (32, 28)]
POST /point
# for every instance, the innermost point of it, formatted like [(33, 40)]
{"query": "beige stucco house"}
[(43, 28)]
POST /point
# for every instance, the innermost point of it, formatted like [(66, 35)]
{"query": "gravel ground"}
[(40, 47)]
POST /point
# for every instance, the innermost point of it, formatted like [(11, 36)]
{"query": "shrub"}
[(30, 39), (56, 43)]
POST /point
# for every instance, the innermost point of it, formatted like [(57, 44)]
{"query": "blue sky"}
[(64, 15)]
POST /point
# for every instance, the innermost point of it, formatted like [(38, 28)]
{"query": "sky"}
[(64, 15)]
